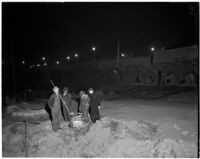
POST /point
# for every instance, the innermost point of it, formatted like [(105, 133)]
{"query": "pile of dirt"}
[(13, 140), (107, 138)]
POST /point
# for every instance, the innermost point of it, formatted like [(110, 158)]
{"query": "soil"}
[(132, 128)]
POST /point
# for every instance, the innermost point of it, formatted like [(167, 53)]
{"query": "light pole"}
[(152, 49), (68, 58), (152, 54), (76, 56), (93, 50), (43, 58)]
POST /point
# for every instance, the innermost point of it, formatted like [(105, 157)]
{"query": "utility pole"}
[(118, 53), (13, 72)]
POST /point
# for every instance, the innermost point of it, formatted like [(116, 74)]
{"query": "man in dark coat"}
[(54, 104), (67, 100), (84, 106), (94, 105)]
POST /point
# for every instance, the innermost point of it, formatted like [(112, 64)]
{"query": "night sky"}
[(55, 30)]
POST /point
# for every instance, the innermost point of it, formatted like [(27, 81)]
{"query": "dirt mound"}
[(107, 138)]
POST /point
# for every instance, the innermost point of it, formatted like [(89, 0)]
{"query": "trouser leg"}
[(95, 116), (54, 121), (66, 115), (85, 115)]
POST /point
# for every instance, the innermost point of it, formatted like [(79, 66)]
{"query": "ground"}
[(129, 127)]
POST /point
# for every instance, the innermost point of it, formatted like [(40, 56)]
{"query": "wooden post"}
[(25, 145)]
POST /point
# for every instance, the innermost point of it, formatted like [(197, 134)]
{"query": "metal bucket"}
[(77, 122)]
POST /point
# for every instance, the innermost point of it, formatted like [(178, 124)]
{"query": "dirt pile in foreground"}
[(106, 138)]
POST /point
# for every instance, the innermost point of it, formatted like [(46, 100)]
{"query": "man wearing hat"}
[(54, 104), (84, 106), (94, 105), (67, 99)]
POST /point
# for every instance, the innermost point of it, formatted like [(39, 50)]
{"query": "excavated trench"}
[(107, 138)]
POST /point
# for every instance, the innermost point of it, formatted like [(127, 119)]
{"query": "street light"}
[(122, 55), (68, 58), (93, 50), (76, 56), (23, 62), (152, 55), (152, 49), (45, 64), (57, 62), (38, 65), (43, 58)]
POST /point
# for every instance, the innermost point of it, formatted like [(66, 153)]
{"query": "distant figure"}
[(54, 104), (190, 78), (95, 102), (84, 106), (67, 99)]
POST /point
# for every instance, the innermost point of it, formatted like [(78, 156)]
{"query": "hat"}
[(54, 88), (90, 89), (81, 93), (65, 89)]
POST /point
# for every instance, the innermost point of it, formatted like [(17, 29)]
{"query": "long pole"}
[(60, 97), (25, 145)]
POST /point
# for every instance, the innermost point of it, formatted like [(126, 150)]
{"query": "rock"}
[(12, 108), (177, 127), (185, 132)]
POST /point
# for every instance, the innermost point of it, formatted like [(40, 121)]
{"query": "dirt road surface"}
[(162, 127), (175, 115)]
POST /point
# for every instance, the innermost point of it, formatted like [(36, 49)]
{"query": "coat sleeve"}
[(80, 106), (51, 101), (88, 100)]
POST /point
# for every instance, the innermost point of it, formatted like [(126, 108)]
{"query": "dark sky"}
[(55, 30)]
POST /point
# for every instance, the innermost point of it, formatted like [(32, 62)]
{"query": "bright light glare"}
[(43, 58), (122, 54), (57, 62), (152, 49), (93, 49), (76, 55), (23, 62)]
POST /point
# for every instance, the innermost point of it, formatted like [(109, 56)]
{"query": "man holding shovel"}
[(54, 104)]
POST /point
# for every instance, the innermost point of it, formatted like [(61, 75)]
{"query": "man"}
[(67, 103), (84, 106), (54, 104), (94, 105)]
